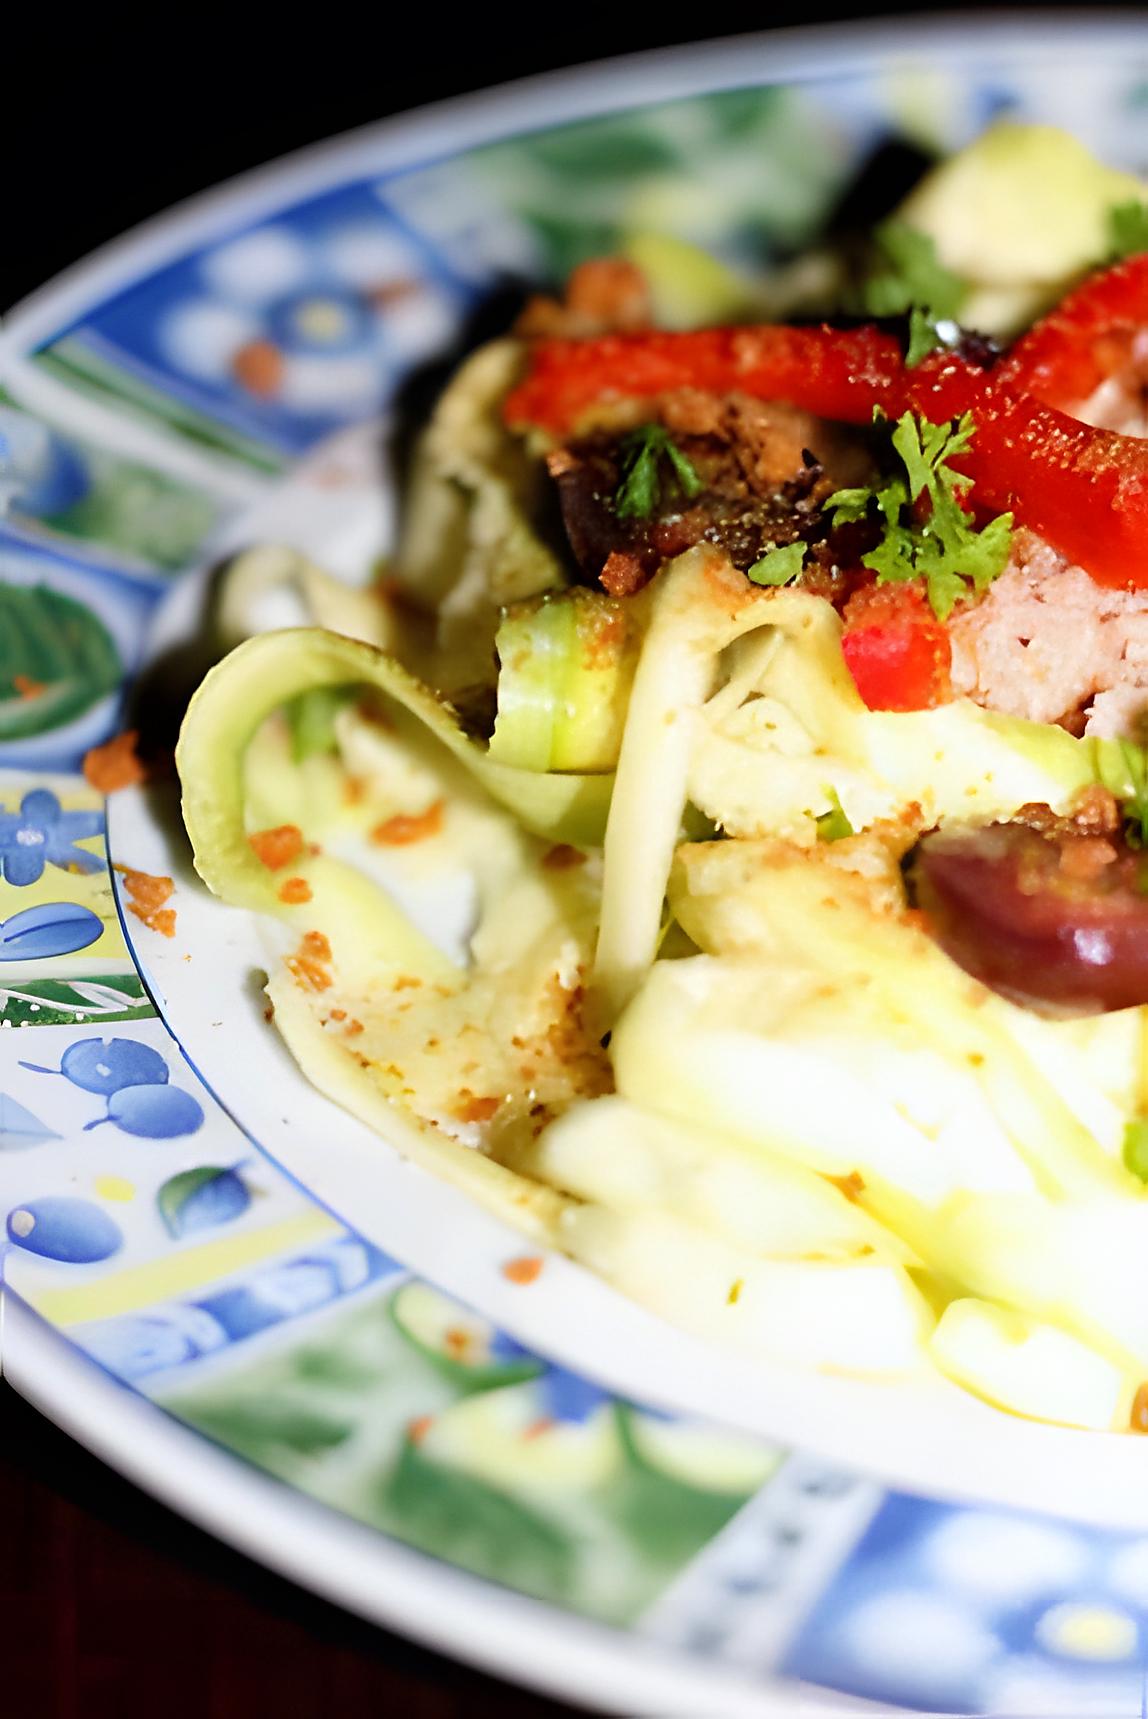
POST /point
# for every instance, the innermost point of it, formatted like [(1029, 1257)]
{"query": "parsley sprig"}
[(939, 542), (909, 279), (778, 566), (834, 825), (643, 453), (1127, 230)]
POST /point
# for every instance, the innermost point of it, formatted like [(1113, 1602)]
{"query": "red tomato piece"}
[(896, 649)]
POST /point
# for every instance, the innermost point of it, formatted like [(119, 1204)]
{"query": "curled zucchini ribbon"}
[(371, 941), (267, 672)]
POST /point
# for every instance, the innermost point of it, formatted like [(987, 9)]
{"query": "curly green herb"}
[(644, 452), (1127, 230), (778, 566), (942, 546)]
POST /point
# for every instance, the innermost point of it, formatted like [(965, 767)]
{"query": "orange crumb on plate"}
[(258, 367), (527, 1269), (114, 765), (146, 897), (160, 919)]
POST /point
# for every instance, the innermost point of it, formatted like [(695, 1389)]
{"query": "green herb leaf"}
[(686, 474), (908, 279), (834, 825), (926, 449), (778, 566), (638, 492), (1127, 230), (924, 336), (850, 505), (942, 547), (1135, 1153), (637, 495)]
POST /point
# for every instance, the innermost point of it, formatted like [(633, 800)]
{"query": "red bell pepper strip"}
[(896, 649), (837, 373), (1088, 336), (1085, 490)]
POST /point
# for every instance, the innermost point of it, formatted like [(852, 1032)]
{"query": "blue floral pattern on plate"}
[(41, 834), (278, 334)]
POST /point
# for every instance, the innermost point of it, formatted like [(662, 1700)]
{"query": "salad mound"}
[(772, 696)]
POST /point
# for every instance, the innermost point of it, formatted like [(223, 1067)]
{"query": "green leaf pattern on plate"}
[(472, 1469), (57, 660), (746, 172), (59, 1002)]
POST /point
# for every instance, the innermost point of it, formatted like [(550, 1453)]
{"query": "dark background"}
[(104, 125), (110, 1606)]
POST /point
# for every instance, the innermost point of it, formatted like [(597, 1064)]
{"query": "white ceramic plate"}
[(692, 1534)]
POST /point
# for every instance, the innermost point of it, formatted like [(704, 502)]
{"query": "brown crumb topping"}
[(146, 898), (114, 765), (310, 964), (852, 1185), (278, 847), (526, 1269), (407, 827), (563, 857), (294, 891)]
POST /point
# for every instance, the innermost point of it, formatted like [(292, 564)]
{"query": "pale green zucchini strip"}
[(331, 1066), (260, 676)]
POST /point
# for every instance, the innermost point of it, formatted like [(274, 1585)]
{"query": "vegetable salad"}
[(775, 692)]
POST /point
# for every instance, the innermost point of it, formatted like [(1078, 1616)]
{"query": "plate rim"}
[(567, 1656)]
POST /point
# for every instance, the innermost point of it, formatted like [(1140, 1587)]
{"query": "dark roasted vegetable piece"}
[(1048, 917)]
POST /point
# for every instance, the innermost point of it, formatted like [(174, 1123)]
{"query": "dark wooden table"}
[(112, 1607)]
